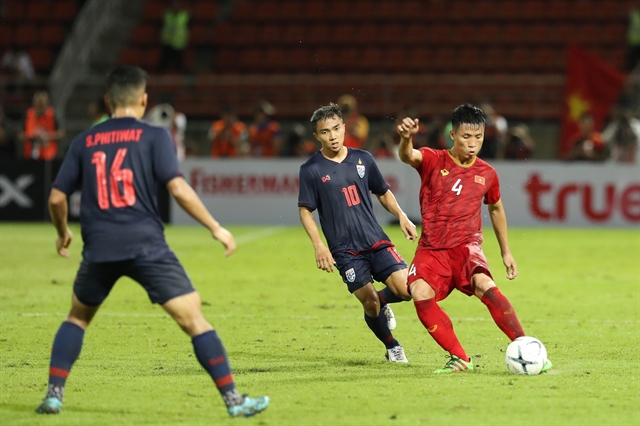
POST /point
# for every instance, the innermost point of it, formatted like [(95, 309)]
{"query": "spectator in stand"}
[(296, 144), (433, 134), (175, 37), (495, 133), (228, 135), (98, 112), (264, 134), (166, 116), (622, 136), (633, 39), (41, 129), (586, 144), (357, 125), (19, 64), (520, 145), (7, 137)]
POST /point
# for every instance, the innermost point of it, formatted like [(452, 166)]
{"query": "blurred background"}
[(559, 79)]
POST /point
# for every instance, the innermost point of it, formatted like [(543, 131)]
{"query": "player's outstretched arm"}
[(406, 129), (499, 221), (389, 202), (58, 210), (324, 258), (191, 203)]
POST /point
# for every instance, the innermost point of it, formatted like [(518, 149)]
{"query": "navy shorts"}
[(163, 277), (363, 268)]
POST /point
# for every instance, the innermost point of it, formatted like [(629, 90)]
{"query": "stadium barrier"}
[(259, 192), (25, 187), (243, 191)]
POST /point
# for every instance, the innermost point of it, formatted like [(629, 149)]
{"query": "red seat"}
[(205, 10), (52, 35), (42, 59), (370, 60), (64, 10), (615, 34), (513, 34), (270, 35), (130, 56), (153, 10), (145, 35), (508, 10), (25, 35), (245, 35), (416, 34), (223, 34), (533, 10), (38, 10), (5, 36), (391, 35), (290, 11), (365, 34), (294, 35), (317, 34), (227, 60), (558, 10), (341, 34), (251, 60), (202, 35), (14, 11), (245, 10)]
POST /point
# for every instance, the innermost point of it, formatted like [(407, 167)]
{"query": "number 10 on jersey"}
[(351, 195)]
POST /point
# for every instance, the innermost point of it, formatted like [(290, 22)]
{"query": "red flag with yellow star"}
[(592, 87)]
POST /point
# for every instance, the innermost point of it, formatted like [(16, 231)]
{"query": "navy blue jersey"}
[(119, 165), (340, 192)]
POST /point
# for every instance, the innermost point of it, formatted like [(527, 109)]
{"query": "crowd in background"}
[(38, 135)]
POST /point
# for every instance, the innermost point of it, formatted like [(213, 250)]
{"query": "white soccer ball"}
[(526, 355)]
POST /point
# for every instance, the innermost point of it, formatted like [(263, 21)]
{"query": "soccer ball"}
[(525, 355)]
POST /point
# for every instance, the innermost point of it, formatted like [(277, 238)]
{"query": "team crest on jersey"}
[(444, 172), (479, 179), (351, 275), (360, 169)]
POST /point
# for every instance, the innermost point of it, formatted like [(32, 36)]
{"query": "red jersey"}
[(450, 199)]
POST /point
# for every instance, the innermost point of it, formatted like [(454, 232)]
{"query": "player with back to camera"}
[(449, 254), (336, 180), (119, 164)]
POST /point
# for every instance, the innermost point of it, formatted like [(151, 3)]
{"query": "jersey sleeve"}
[(165, 160), (70, 173), (429, 158), (493, 193), (377, 184), (307, 195)]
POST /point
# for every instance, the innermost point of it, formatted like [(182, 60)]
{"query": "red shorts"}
[(447, 269)]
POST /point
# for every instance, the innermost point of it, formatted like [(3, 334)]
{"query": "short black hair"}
[(324, 113), (467, 114), (123, 84)]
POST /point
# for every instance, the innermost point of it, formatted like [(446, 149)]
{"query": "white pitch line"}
[(262, 233)]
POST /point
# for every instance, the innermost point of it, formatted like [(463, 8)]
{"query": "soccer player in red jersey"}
[(449, 255)]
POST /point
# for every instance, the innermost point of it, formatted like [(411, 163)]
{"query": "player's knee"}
[(481, 286), (420, 290), (371, 306), (193, 325)]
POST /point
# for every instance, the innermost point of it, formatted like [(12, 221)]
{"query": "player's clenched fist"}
[(408, 127)]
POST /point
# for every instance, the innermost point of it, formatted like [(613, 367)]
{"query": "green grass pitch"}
[(293, 332)]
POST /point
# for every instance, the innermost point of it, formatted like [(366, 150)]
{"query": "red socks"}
[(503, 313), (438, 324)]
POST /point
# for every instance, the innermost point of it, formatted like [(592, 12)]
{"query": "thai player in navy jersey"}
[(119, 164), (336, 181)]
